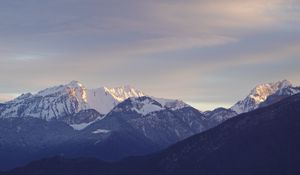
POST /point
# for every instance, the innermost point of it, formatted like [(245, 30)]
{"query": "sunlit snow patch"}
[(99, 131), (81, 126)]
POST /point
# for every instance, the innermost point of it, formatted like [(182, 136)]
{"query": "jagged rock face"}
[(67, 103), (261, 96), (136, 125), (261, 93), (51, 103), (66, 100), (141, 105), (264, 141), (83, 116), (154, 121), (72, 103)]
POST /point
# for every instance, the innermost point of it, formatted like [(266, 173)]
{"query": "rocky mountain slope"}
[(65, 101), (261, 96), (265, 93), (61, 121), (264, 141), (135, 126)]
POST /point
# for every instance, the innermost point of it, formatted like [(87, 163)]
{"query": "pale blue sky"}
[(208, 53)]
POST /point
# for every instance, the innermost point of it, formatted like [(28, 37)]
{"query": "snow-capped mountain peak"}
[(61, 101), (262, 92), (68, 88), (171, 104), (124, 92), (104, 99), (74, 90), (145, 105)]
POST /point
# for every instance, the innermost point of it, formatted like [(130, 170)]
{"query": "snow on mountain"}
[(81, 126), (124, 92), (47, 104), (171, 104), (145, 106), (262, 92), (105, 99), (99, 131), (62, 102), (141, 105), (153, 120)]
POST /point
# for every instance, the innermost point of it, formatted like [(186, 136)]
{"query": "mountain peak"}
[(67, 88), (61, 101), (285, 83), (141, 105), (75, 83), (64, 100), (273, 85), (261, 92), (172, 104)]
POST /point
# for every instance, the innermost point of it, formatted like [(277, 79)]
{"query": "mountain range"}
[(56, 103), (109, 123), (263, 141)]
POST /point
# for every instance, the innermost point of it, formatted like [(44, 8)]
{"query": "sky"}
[(209, 53)]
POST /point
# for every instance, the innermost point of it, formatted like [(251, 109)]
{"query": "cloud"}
[(169, 44), (204, 16), (193, 17), (171, 48)]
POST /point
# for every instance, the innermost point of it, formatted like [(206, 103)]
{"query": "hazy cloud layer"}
[(206, 52)]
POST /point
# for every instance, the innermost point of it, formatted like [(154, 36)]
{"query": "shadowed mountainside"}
[(264, 141)]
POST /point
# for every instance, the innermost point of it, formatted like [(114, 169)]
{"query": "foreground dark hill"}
[(264, 141)]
